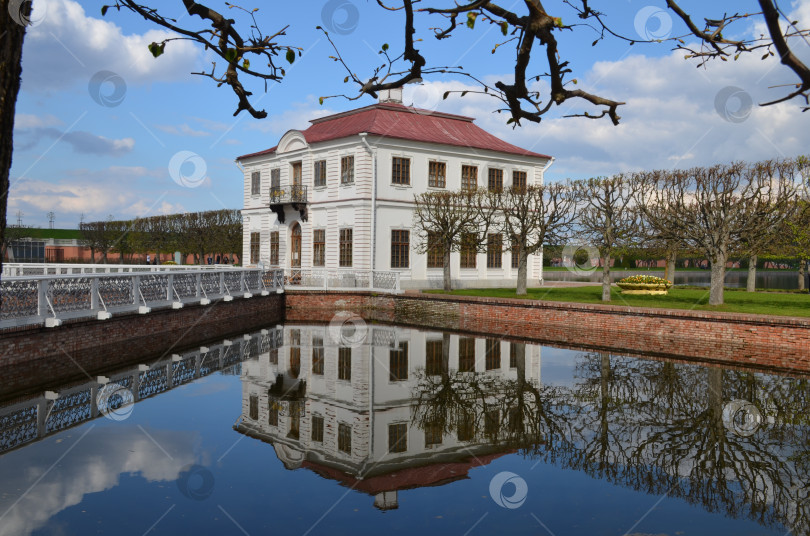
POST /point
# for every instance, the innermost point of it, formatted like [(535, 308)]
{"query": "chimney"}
[(391, 95)]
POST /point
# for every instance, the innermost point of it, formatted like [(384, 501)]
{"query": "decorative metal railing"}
[(52, 299), (292, 193), (314, 279), (20, 269), (39, 416)]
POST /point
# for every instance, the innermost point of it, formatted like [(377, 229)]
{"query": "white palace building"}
[(340, 194)]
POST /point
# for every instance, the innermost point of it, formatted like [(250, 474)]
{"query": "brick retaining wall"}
[(744, 340), (60, 354)]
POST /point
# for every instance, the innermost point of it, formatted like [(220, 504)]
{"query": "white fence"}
[(21, 269), (347, 279), (52, 299)]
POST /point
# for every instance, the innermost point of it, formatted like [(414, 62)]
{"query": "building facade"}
[(366, 411), (340, 194)]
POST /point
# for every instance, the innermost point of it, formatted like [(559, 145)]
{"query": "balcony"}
[(294, 195)]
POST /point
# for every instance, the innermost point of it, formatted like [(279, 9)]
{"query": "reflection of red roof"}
[(436, 474), (404, 122)]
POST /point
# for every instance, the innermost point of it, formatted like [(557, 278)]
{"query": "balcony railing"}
[(342, 279), (293, 193)]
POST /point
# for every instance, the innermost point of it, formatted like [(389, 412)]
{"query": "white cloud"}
[(27, 121), (297, 117), (69, 46), (183, 130), (89, 143)]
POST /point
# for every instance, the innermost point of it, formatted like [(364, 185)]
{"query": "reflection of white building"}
[(340, 194), (346, 413)]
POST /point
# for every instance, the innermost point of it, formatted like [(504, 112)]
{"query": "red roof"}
[(404, 122)]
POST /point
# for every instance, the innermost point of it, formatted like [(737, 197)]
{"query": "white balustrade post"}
[(198, 289), (221, 282), (42, 297), (136, 289), (170, 287), (94, 293)]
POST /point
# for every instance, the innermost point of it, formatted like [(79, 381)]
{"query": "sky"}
[(104, 129)]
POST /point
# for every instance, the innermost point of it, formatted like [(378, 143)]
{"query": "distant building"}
[(340, 194), (347, 412)]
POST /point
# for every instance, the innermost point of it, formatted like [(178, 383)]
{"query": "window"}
[(295, 352), (296, 173), (400, 170), (492, 422), (294, 421), (493, 354), (255, 245), (435, 250), (519, 180), (400, 246), (272, 412), (494, 251), (345, 247), (317, 355), (469, 178), (437, 174), (345, 364), (433, 434), (319, 247), (466, 427), (275, 179), (274, 356), (513, 353), (274, 248), (466, 354), (434, 359), (319, 173), (347, 170), (397, 437), (254, 407), (255, 183), (344, 438), (317, 428), (398, 363), (495, 180), (515, 252), (469, 250)]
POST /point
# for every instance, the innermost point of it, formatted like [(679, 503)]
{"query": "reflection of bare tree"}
[(654, 426)]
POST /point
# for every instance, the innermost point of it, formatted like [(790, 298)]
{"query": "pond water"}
[(771, 279), (310, 429)]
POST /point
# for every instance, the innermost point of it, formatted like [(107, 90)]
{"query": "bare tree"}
[(609, 220), (441, 219), (534, 216), (713, 209)]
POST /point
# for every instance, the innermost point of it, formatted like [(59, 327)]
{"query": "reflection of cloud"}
[(95, 464)]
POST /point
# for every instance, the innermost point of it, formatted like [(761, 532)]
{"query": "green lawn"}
[(765, 303)]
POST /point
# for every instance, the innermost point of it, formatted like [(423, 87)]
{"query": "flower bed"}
[(644, 284)]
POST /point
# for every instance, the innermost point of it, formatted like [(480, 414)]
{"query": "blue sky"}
[(102, 127)]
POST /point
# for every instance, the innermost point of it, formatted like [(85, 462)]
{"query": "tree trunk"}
[(718, 279), (802, 267), (751, 282), (669, 271), (447, 282), (606, 278), (523, 272), (11, 45)]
